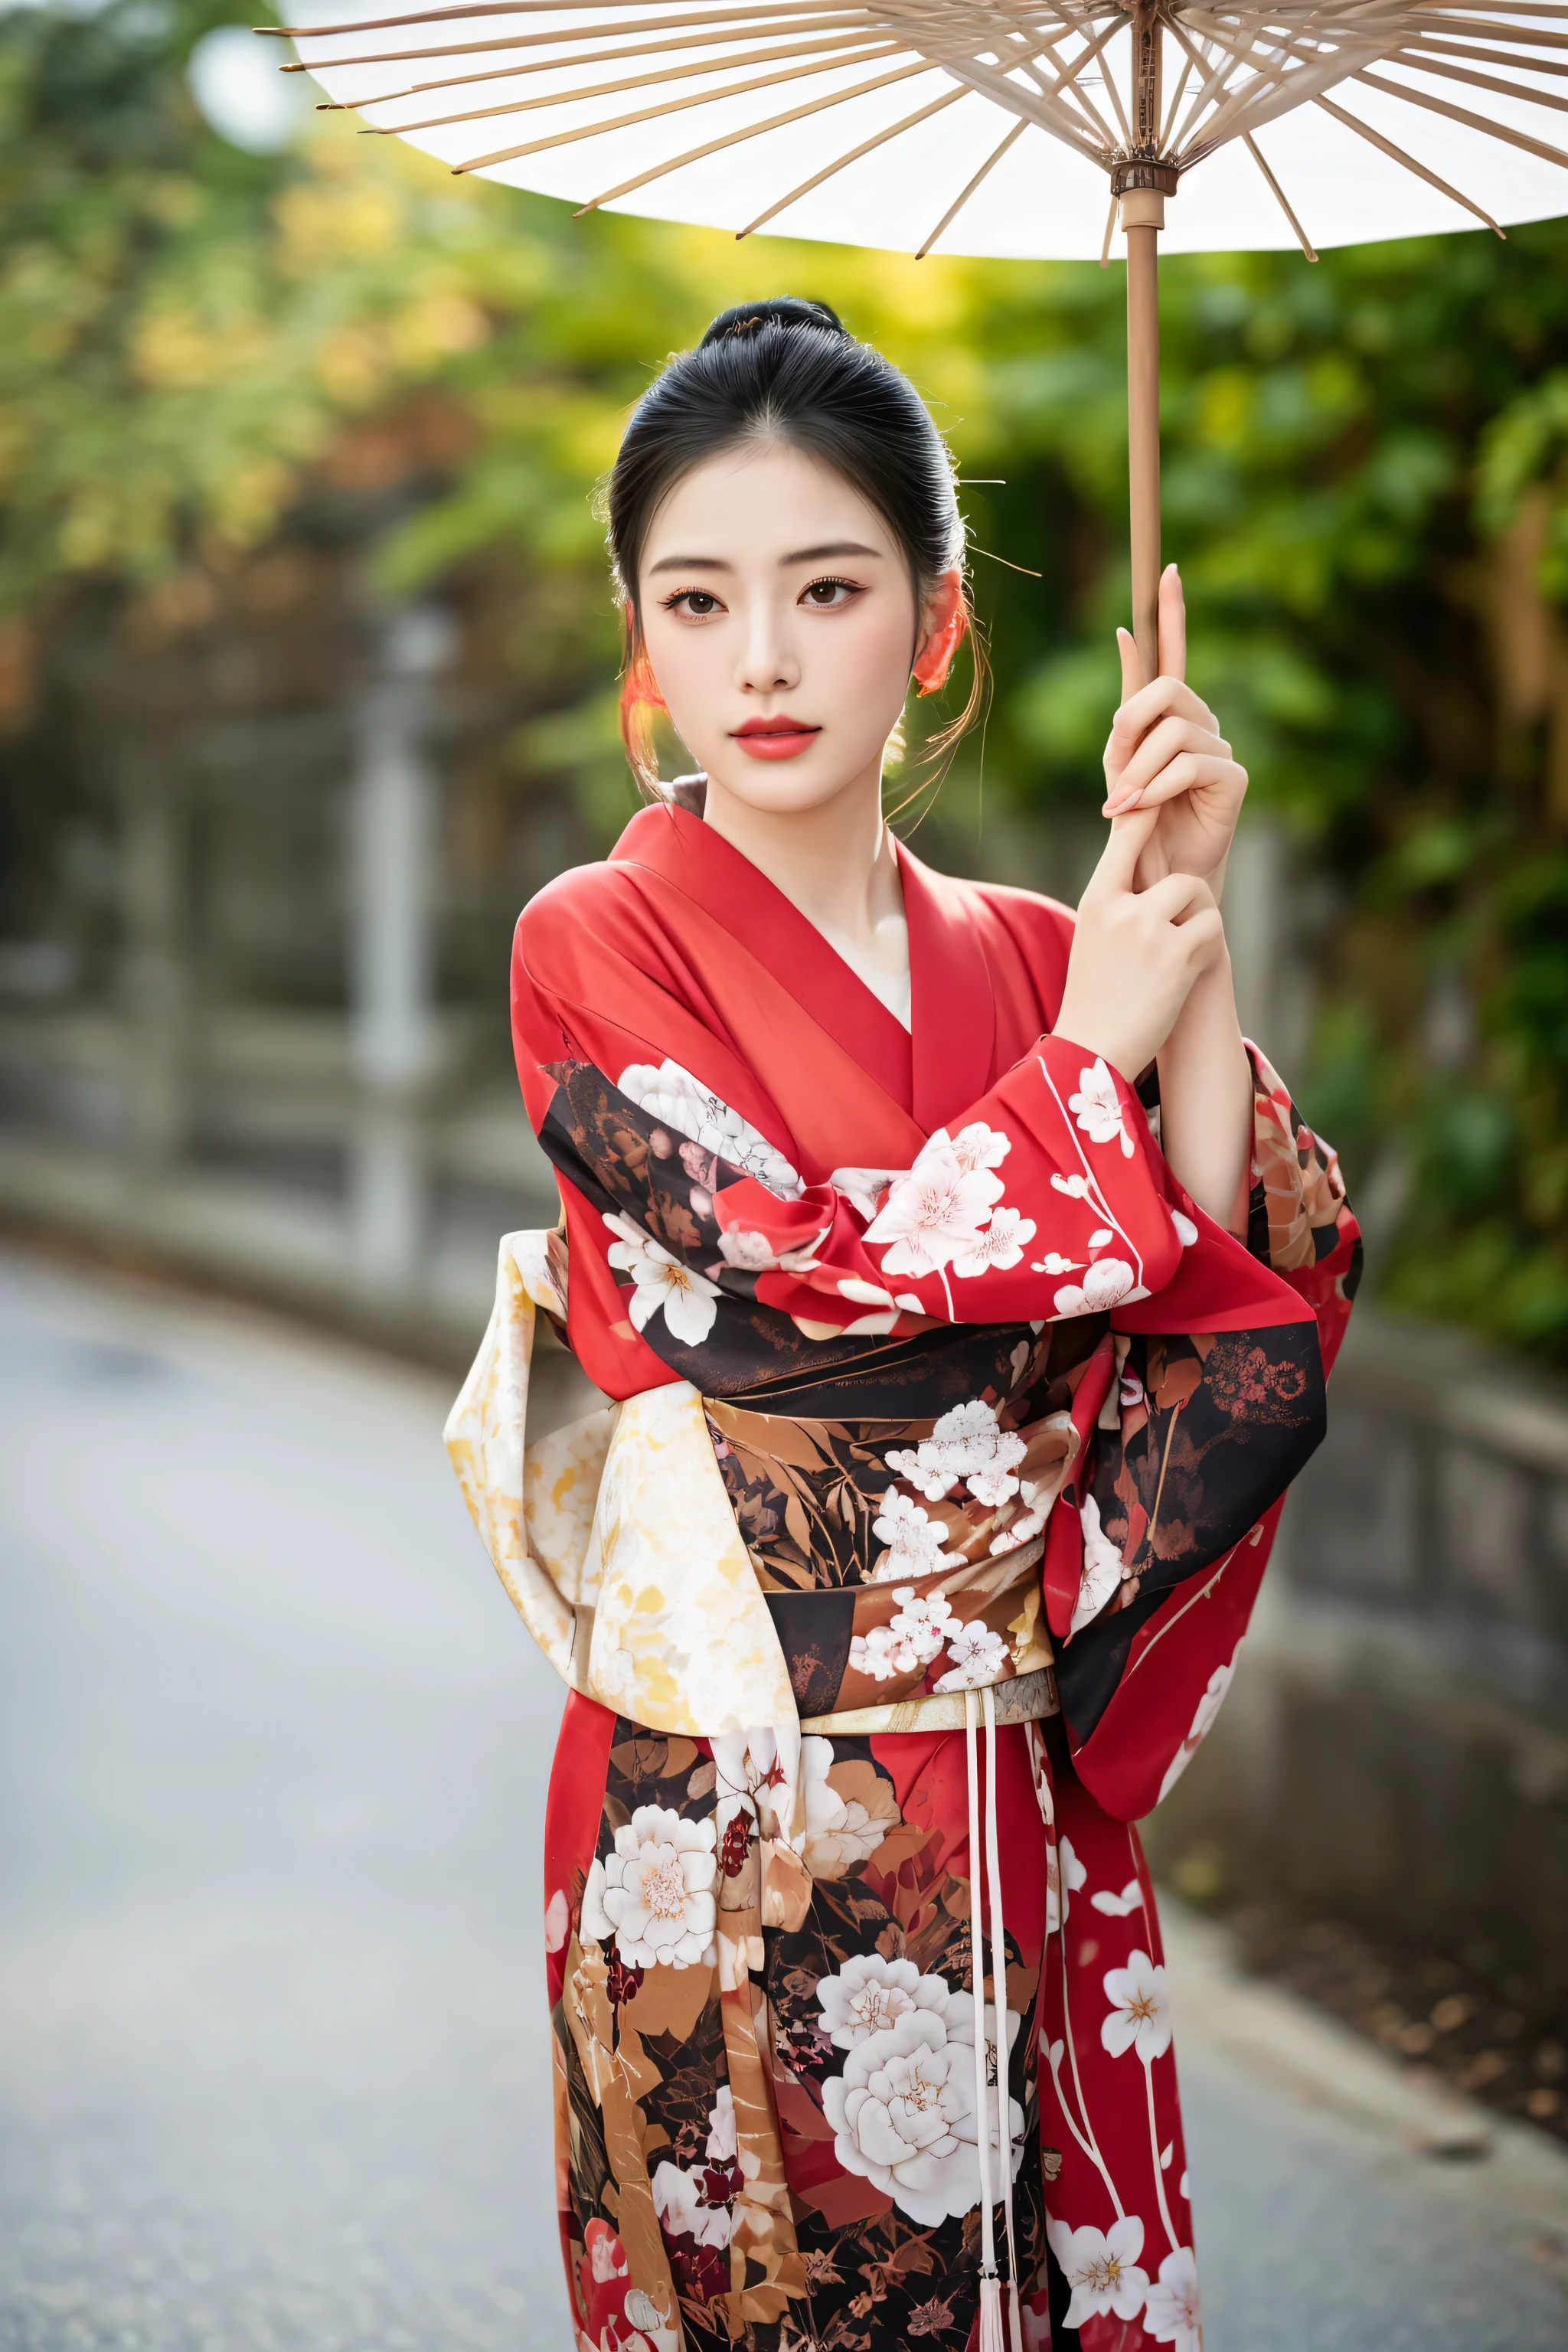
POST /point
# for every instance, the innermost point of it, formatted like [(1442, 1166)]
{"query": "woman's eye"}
[(827, 594), (695, 600)]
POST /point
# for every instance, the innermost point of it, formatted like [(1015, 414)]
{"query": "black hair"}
[(786, 369)]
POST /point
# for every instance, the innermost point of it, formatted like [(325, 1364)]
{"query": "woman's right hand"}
[(1135, 953)]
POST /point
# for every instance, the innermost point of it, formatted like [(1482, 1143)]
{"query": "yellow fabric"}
[(614, 1536)]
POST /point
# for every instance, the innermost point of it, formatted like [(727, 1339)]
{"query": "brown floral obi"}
[(900, 1559)]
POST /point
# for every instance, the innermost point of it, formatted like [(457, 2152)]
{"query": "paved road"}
[(272, 2051)]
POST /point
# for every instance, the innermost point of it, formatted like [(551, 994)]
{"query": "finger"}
[(1178, 896), (1127, 647), (1128, 839), (1168, 741), (1161, 698), (1203, 935), (1173, 624), (1220, 780)]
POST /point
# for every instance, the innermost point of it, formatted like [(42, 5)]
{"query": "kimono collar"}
[(940, 1065)]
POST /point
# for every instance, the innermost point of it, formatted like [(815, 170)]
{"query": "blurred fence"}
[(255, 1026)]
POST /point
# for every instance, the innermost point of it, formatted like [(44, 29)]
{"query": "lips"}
[(781, 738)]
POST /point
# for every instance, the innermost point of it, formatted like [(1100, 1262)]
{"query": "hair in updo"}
[(787, 371)]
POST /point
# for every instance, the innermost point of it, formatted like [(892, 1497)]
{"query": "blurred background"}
[(307, 679)]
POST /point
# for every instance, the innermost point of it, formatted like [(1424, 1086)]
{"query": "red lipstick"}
[(781, 738)]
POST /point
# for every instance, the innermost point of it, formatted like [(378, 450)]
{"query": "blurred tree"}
[(1366, 485)]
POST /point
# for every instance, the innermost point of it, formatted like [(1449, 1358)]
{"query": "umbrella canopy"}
[(993, 127)]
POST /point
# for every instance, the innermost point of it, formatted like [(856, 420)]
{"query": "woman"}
[(969, 1287)]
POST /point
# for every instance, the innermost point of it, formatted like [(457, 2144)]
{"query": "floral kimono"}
[(908, 1570)]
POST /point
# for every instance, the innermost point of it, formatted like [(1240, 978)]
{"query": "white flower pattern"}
[(870, 1994), (903, 2109), (967, 1443), (1101, 1567), (1101, 2268), (936, 1210), (1174, 2313), (1139, 2017), (978, 1656), (976, 1146), (910, 1638), (688, 1301), (1208, 1706), (913, 1540), (1105, 1283), (1064, 1876), (1001, 1243), (671, 1094), (1097, 1108), (653, 1893), (840, 1833)]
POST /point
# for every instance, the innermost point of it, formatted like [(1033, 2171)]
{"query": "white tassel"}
[(999, 1979), (991, 2336)]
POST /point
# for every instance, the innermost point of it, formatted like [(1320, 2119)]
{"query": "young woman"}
[(968, 1286)]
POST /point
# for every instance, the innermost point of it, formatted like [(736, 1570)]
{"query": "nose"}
[(769, 662)]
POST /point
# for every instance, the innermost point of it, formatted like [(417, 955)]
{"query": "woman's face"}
[(780, 622)]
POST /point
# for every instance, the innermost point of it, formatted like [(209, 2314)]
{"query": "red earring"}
[(936, 657), (639, 690)]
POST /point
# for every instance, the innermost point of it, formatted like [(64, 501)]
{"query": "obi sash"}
[(705, 1567)]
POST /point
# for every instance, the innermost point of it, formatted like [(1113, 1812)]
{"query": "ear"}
[(946, 624)]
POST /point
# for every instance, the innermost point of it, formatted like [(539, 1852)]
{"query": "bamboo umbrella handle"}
[(1143, 217)]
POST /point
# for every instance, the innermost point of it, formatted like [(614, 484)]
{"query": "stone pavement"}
[(273, 2060)]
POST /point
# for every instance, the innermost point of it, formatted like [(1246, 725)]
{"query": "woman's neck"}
[(838, 866)]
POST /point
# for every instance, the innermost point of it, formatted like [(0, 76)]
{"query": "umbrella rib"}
[(1460, 114), (1267, 66), (1283, 201), (950, 97), (1483, 82), (1479, 29), (1214, 76), (654, 113), (1061, 85), (1061, 89), (1426, 46), (1066, 78), (993, 80), (1467, 32), (959, 202), (819, 62), (1397, 154), (480, 8), (1224, 95), (1007, 95), (1549, 8), (1289, 90), (865, 30), (1175, 107)]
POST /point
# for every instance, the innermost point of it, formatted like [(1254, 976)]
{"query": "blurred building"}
[(264, 850)]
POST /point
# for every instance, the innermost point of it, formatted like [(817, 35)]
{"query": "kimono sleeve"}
[(1048, 1197), (1154, 1565)]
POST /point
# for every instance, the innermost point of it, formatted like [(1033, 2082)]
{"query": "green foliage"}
[(192, 339)]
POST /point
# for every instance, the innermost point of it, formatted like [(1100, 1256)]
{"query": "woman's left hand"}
[(1165, 750)]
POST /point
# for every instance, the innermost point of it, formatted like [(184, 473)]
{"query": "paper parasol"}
[(992, 129)]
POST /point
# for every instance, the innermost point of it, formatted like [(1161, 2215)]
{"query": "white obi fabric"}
[(614, 1536)]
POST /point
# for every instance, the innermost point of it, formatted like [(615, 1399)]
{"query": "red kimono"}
[(999, 1411)]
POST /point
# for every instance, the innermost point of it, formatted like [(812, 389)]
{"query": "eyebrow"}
[(831, 549)]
